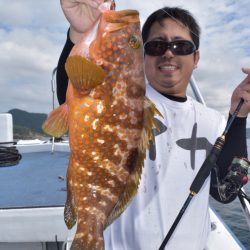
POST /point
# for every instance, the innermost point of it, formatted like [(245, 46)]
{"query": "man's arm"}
[(235, 142), (235, 145), (81, 15), (61, 75)]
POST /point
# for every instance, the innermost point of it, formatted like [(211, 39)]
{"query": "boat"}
[(33, 193)]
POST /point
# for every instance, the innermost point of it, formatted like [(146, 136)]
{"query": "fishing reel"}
[(235, 179)]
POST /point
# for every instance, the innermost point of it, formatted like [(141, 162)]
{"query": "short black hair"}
[(176, 13)]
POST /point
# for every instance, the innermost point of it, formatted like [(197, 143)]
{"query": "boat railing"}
[(53, 90)]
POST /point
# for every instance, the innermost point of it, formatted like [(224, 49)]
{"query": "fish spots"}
[(100, 108), (105, 131), (133, 118), (99, 190), (95, 124), (104, 34), (79, 235), (85, 104), (114, 173), (119, 89), (131, 136), (123, 116), (108, 128), (101, 141), (93, 192), (86, 118), (103, 203), (111, 183), (90, 237), (96, 158), (135, 90)]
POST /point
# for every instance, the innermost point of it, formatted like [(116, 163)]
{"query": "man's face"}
[(169, 74)]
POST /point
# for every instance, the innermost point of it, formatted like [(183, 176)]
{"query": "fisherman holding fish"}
[(185, 135)]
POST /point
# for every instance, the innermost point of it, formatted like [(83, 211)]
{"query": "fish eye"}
[(134, 42)]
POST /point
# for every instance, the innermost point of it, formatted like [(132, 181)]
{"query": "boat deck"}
[(32, 198), (37, 181)]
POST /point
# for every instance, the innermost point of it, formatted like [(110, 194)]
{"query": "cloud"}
[(32, 35), (30, 46)]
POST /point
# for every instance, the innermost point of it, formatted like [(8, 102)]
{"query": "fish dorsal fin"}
[(83, 73), (132, 185), (57, 122)]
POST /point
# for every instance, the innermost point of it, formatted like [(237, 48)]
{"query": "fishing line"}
[(180, 23)]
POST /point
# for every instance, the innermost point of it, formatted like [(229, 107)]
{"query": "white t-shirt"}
[(188, 131)]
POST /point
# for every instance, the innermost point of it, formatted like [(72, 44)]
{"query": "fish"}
[(109, 121)]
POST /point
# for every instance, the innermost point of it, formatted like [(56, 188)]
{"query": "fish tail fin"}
[(83, 73), (93, 239), (57, 122)]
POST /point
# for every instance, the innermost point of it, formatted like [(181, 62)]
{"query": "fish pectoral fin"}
[(126, 197), (57, 122), (83, 73), (130, 189)]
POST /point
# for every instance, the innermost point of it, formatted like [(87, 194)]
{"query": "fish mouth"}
[(122, 16)]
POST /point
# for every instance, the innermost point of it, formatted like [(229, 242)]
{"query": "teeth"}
[(168, 67)]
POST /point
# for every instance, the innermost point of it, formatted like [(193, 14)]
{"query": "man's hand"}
[(81, 15), (242, 91)]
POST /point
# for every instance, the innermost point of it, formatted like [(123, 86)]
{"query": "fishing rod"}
[(203, 173)]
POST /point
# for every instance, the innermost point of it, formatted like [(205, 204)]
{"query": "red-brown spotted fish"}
[(110, 125)]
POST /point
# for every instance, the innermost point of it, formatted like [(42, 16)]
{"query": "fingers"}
[(92, 3), (246, 70), (242, 91), (246, 82)]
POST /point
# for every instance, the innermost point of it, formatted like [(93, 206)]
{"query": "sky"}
[(32, 35)]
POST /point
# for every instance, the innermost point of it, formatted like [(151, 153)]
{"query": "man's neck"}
[(175, 98)]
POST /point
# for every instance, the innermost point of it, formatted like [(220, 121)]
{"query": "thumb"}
[(246, 70)]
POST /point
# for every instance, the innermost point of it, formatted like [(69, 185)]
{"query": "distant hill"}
[(27, 125)]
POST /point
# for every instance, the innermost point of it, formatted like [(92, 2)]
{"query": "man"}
[(187, 132)]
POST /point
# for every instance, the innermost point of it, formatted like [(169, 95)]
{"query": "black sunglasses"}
[(178, 47)]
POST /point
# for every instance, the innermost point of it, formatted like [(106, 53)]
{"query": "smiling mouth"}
[(167, 67)]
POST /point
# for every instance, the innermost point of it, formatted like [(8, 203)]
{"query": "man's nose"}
[(168, 53)]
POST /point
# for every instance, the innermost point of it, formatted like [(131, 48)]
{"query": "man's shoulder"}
[(204, 108)]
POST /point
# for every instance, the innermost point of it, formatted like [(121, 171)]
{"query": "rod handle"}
[(207, 165)]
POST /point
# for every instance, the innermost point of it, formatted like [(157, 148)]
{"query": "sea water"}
[(233, 215)]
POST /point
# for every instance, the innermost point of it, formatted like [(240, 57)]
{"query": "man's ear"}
[(196, 58)]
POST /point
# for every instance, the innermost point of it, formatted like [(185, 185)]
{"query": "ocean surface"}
[(233, 216)]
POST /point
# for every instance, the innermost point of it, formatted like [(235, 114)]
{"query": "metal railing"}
[(53, 88)]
